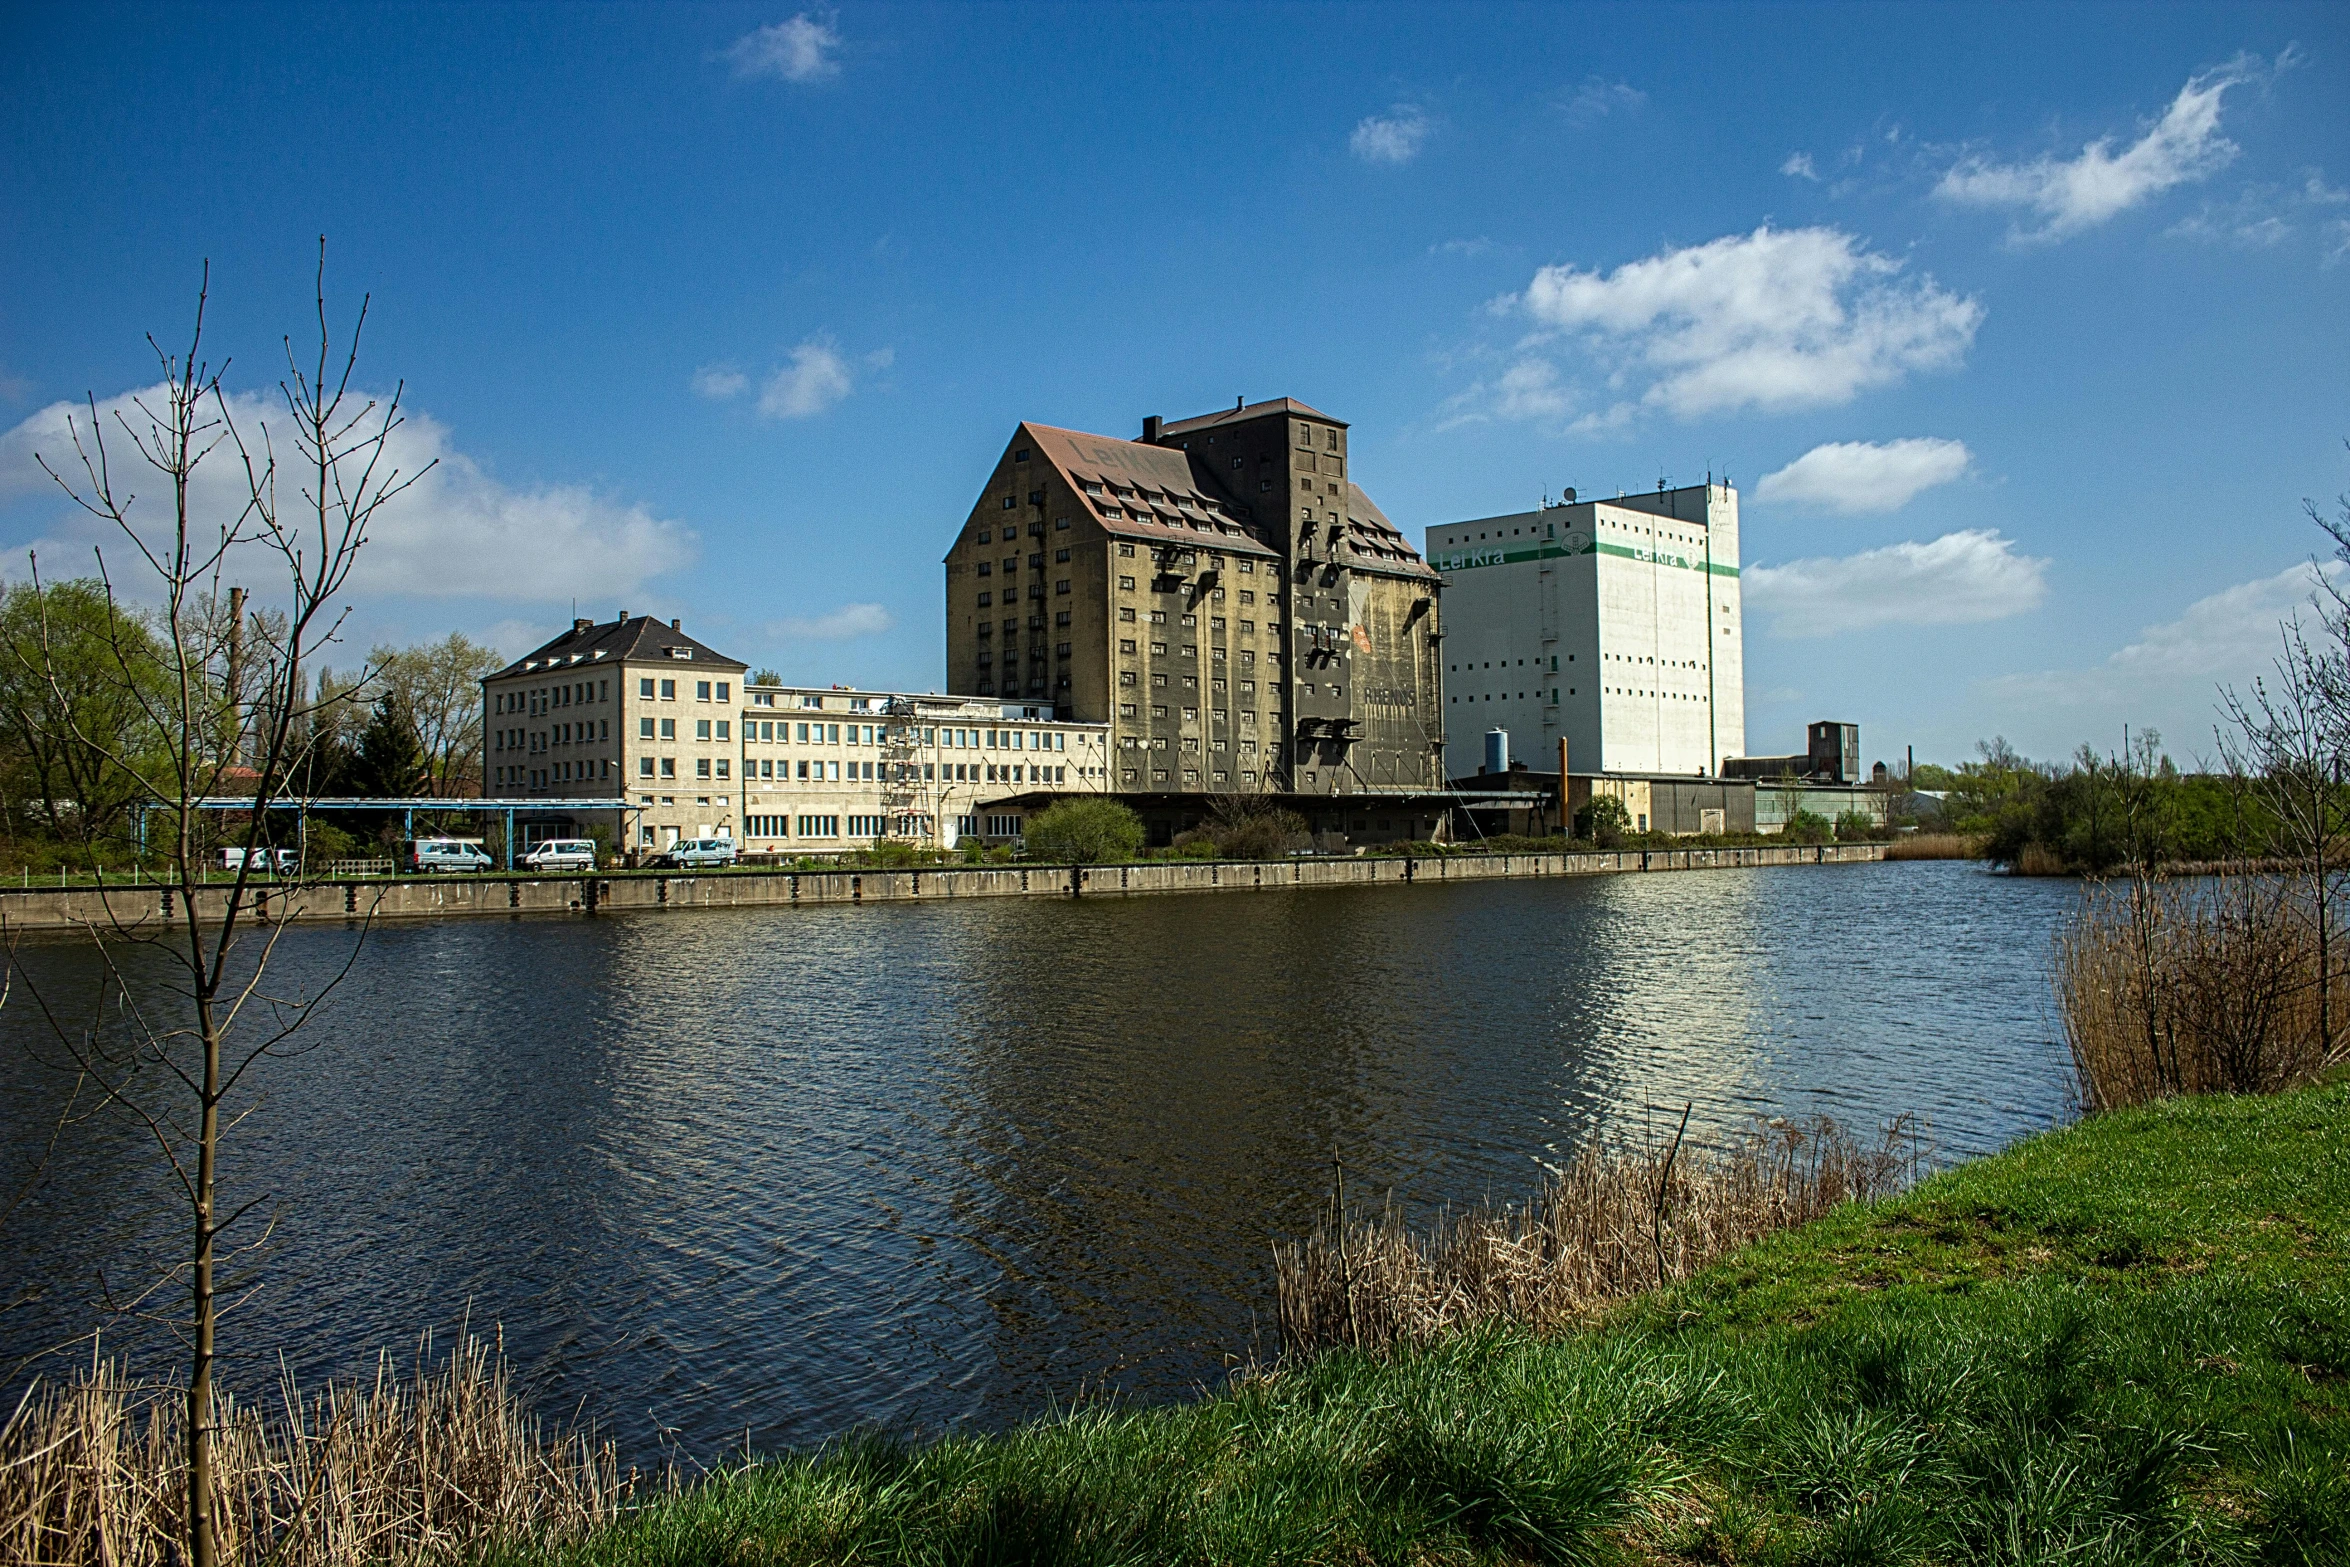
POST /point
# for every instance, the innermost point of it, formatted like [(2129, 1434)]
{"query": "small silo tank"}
[(1497, 750)]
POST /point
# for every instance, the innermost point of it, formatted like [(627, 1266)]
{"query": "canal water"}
[(776, 1173)]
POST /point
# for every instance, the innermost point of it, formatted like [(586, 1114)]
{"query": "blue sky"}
[(2021, 330)]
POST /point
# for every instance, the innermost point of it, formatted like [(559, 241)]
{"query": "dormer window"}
[(679, 652)]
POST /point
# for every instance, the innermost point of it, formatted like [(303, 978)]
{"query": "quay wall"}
[(54, 908)]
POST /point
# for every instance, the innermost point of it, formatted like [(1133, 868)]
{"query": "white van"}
[(446, 856), (559, 854), (688, 852), (282, 862)]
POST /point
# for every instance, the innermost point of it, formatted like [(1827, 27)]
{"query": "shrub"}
[(1604, 821), (1245, 829), (1808, 827), (1084, 832)]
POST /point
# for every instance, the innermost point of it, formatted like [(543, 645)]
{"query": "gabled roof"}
[(1377, 544), (1154, 493), (1279, 405), (639, 637)]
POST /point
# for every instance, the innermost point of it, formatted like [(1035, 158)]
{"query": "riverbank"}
[(69, 908), (2125, 1340)]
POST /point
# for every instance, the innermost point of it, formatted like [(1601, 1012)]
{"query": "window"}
[(723, 688), (819, 826), (724, 726), (1191, 620), (1061, 586), (669, 767), (1126, 614), (668, 728), (1010, 501), (701, 690), (724, 765), (644, 688), (1125, 677), (644, 729), (702, 767), (986, 600), (668, 690), (1125, 644), (1060, 524), (701, 729), (1126, 585), (1061, 556), (1126, 551), (644, 767), (1125, 709)]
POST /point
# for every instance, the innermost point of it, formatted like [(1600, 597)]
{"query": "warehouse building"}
[(1613, 625), (1220, 595)]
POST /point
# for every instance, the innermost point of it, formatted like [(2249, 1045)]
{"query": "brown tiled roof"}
[(1281, 405), (636, 637), (1153, 493), (1377, 544)]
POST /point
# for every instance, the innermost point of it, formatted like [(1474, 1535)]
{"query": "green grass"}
[(2128, 1341)]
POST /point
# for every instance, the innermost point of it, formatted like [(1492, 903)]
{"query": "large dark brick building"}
[(1220, 593)]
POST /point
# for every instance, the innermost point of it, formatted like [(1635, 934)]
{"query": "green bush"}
[(1084, 832), (1604, 821), (1809, 827)]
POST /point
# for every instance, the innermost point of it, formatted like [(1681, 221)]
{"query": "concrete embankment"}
[(394, 898)]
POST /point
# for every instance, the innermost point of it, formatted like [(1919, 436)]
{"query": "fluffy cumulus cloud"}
[(1855, 477), (837, 625), (1774, 320), (1958, 579), (2171, 675), (1598, 98), (816, 378), (2066, 195), (1799, 167), (803, 49), (457, 531), (1393, 137)]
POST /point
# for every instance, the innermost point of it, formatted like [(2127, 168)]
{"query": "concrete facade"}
[(1219, 594), (1615, 625)]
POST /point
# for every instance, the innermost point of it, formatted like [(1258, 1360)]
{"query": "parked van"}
[(281, 862), (560, 854), (689, 852), (445, 856)]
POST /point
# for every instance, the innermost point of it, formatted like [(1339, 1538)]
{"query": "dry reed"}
[(2205, 987), (1619, 1219), (403, 1469), (1934, 846)]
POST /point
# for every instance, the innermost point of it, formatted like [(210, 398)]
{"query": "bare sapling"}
[(222, 592)]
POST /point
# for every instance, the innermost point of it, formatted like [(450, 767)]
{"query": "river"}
[(771, 1174)]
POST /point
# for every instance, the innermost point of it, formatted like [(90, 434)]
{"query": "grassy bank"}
[(2125, 1341)]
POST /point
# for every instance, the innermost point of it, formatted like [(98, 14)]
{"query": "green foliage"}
[(1858, 827), (2099, 814), (2128, 1341), (1603, 821), (1808, 827), (78, 677), (389, 761), (1084, 831)]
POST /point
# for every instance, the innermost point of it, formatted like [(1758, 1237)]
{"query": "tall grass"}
[(1934, 846), (426, 1466), (1619, 1219), (2206, 986)]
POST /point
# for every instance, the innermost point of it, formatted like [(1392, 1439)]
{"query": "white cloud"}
[(1597, 98), (800, 50), (1955, 580), (838, 625), (719, 382), (2172, 674), (1774, 320), (1394, 137), (816, 379), (1799, 166), (1853, 477), (457, 532), (2263, 216), (2072, 194), (1471, 248)]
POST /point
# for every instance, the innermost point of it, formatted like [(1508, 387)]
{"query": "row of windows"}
[(560, 772), (704, 690), (1160, 775), (547, 698)]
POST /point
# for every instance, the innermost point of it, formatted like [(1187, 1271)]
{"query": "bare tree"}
[(229, 711)]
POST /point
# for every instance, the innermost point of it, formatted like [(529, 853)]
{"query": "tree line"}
[(87, 712)]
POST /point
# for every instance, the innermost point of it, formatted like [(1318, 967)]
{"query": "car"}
[(687, 853), (444, 856), (559, 854)]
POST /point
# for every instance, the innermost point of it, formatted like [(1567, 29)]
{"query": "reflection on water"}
[(786, 1171)]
